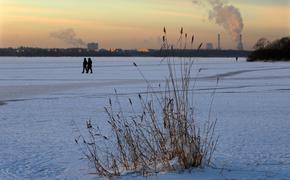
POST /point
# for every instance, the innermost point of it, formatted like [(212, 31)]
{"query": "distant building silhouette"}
[(209, 46), (93, 46)]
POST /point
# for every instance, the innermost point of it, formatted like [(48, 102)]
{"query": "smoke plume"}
[(69, 37), (225, 15)]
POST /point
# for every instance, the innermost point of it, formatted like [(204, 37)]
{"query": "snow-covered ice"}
[(41, 97)]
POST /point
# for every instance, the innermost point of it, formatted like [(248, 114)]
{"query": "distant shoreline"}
[(80, 52)]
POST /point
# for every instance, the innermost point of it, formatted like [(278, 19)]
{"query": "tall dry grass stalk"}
[(155, 132)]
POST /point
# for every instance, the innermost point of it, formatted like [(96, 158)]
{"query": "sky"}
[(131, 24)]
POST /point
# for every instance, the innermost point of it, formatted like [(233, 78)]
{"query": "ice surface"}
[(41, 97)]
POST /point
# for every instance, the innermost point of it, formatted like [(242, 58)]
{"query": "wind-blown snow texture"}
[(41, 97)]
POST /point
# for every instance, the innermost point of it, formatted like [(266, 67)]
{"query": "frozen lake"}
[(41, 97)]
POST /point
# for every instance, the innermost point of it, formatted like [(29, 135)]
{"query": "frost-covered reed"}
[(156, 131)]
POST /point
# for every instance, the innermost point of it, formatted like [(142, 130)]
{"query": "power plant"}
[(219, 42), (240, 43)]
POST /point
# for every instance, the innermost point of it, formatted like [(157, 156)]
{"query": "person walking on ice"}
[(90, 65), (85, 65)]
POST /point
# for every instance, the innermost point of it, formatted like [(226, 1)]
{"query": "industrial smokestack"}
[(240, 43), (219, 42), (225, 15)]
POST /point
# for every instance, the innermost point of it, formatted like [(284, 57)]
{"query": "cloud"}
[(68, 36)]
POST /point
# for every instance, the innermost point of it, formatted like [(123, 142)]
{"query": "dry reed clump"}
[(155, 132)]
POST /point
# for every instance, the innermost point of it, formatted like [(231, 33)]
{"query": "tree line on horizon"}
[(277, 50), (81, 52)]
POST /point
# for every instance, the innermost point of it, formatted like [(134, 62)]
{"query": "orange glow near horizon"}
[(130, 24)]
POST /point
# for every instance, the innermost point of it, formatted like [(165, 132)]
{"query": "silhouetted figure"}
[(85, 65), (90, 64), (237, 58)]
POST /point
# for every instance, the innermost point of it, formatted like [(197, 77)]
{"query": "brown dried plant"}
[(156, 131)]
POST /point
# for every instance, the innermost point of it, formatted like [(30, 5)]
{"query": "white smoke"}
[(225, 15), (69, 37)]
